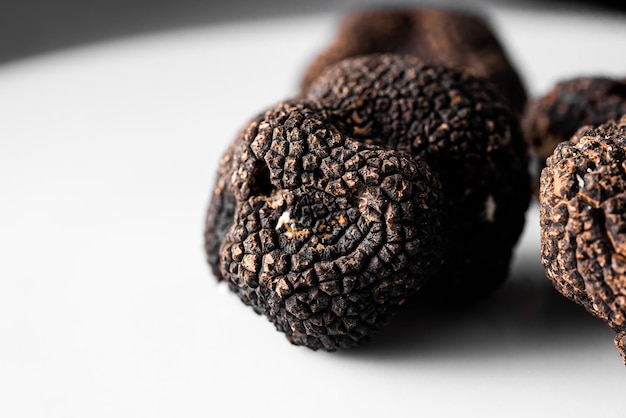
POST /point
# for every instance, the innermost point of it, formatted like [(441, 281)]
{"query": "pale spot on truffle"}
[(284, 219), (490, 208)]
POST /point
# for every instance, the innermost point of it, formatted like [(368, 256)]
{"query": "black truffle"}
[(470, 139), (583, 222), (323, 234), (554, 117), (448, 37)]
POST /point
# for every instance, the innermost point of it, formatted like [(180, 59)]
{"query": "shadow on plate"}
[(526, 315)]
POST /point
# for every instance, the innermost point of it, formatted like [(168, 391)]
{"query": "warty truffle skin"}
[(453, 38), (470, 139), (554, 117), (328, 236), (583, 222)]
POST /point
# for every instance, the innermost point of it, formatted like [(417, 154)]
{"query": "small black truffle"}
[(324, 235), (470, 139), (554, 117), (454, 38), (583, 222)]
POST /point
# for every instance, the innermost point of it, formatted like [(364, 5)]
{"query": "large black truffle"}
[(324, 235), (470, 139), (453, 38), (583, 222)]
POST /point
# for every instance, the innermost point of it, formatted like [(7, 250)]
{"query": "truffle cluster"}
[(333, 208), (576, 137), (401, 172), (583, 219)]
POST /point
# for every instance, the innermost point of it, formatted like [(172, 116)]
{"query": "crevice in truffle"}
[(617, 89), (260, 184)]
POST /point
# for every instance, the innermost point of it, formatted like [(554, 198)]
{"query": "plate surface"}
[(107, 306)]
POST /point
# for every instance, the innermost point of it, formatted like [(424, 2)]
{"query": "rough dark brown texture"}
[(324, 235), (583, 222), (223, 204), (469, 138), (443, 36), (554, 117)]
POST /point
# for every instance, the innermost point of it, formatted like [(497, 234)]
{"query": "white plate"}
[(107, 306)]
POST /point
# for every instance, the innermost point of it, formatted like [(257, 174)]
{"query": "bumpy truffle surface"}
[(583, 222), (328, 235), (442, 36), (469, 138), (554, 117)]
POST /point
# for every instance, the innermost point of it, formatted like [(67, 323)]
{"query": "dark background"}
[(30, 27)]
